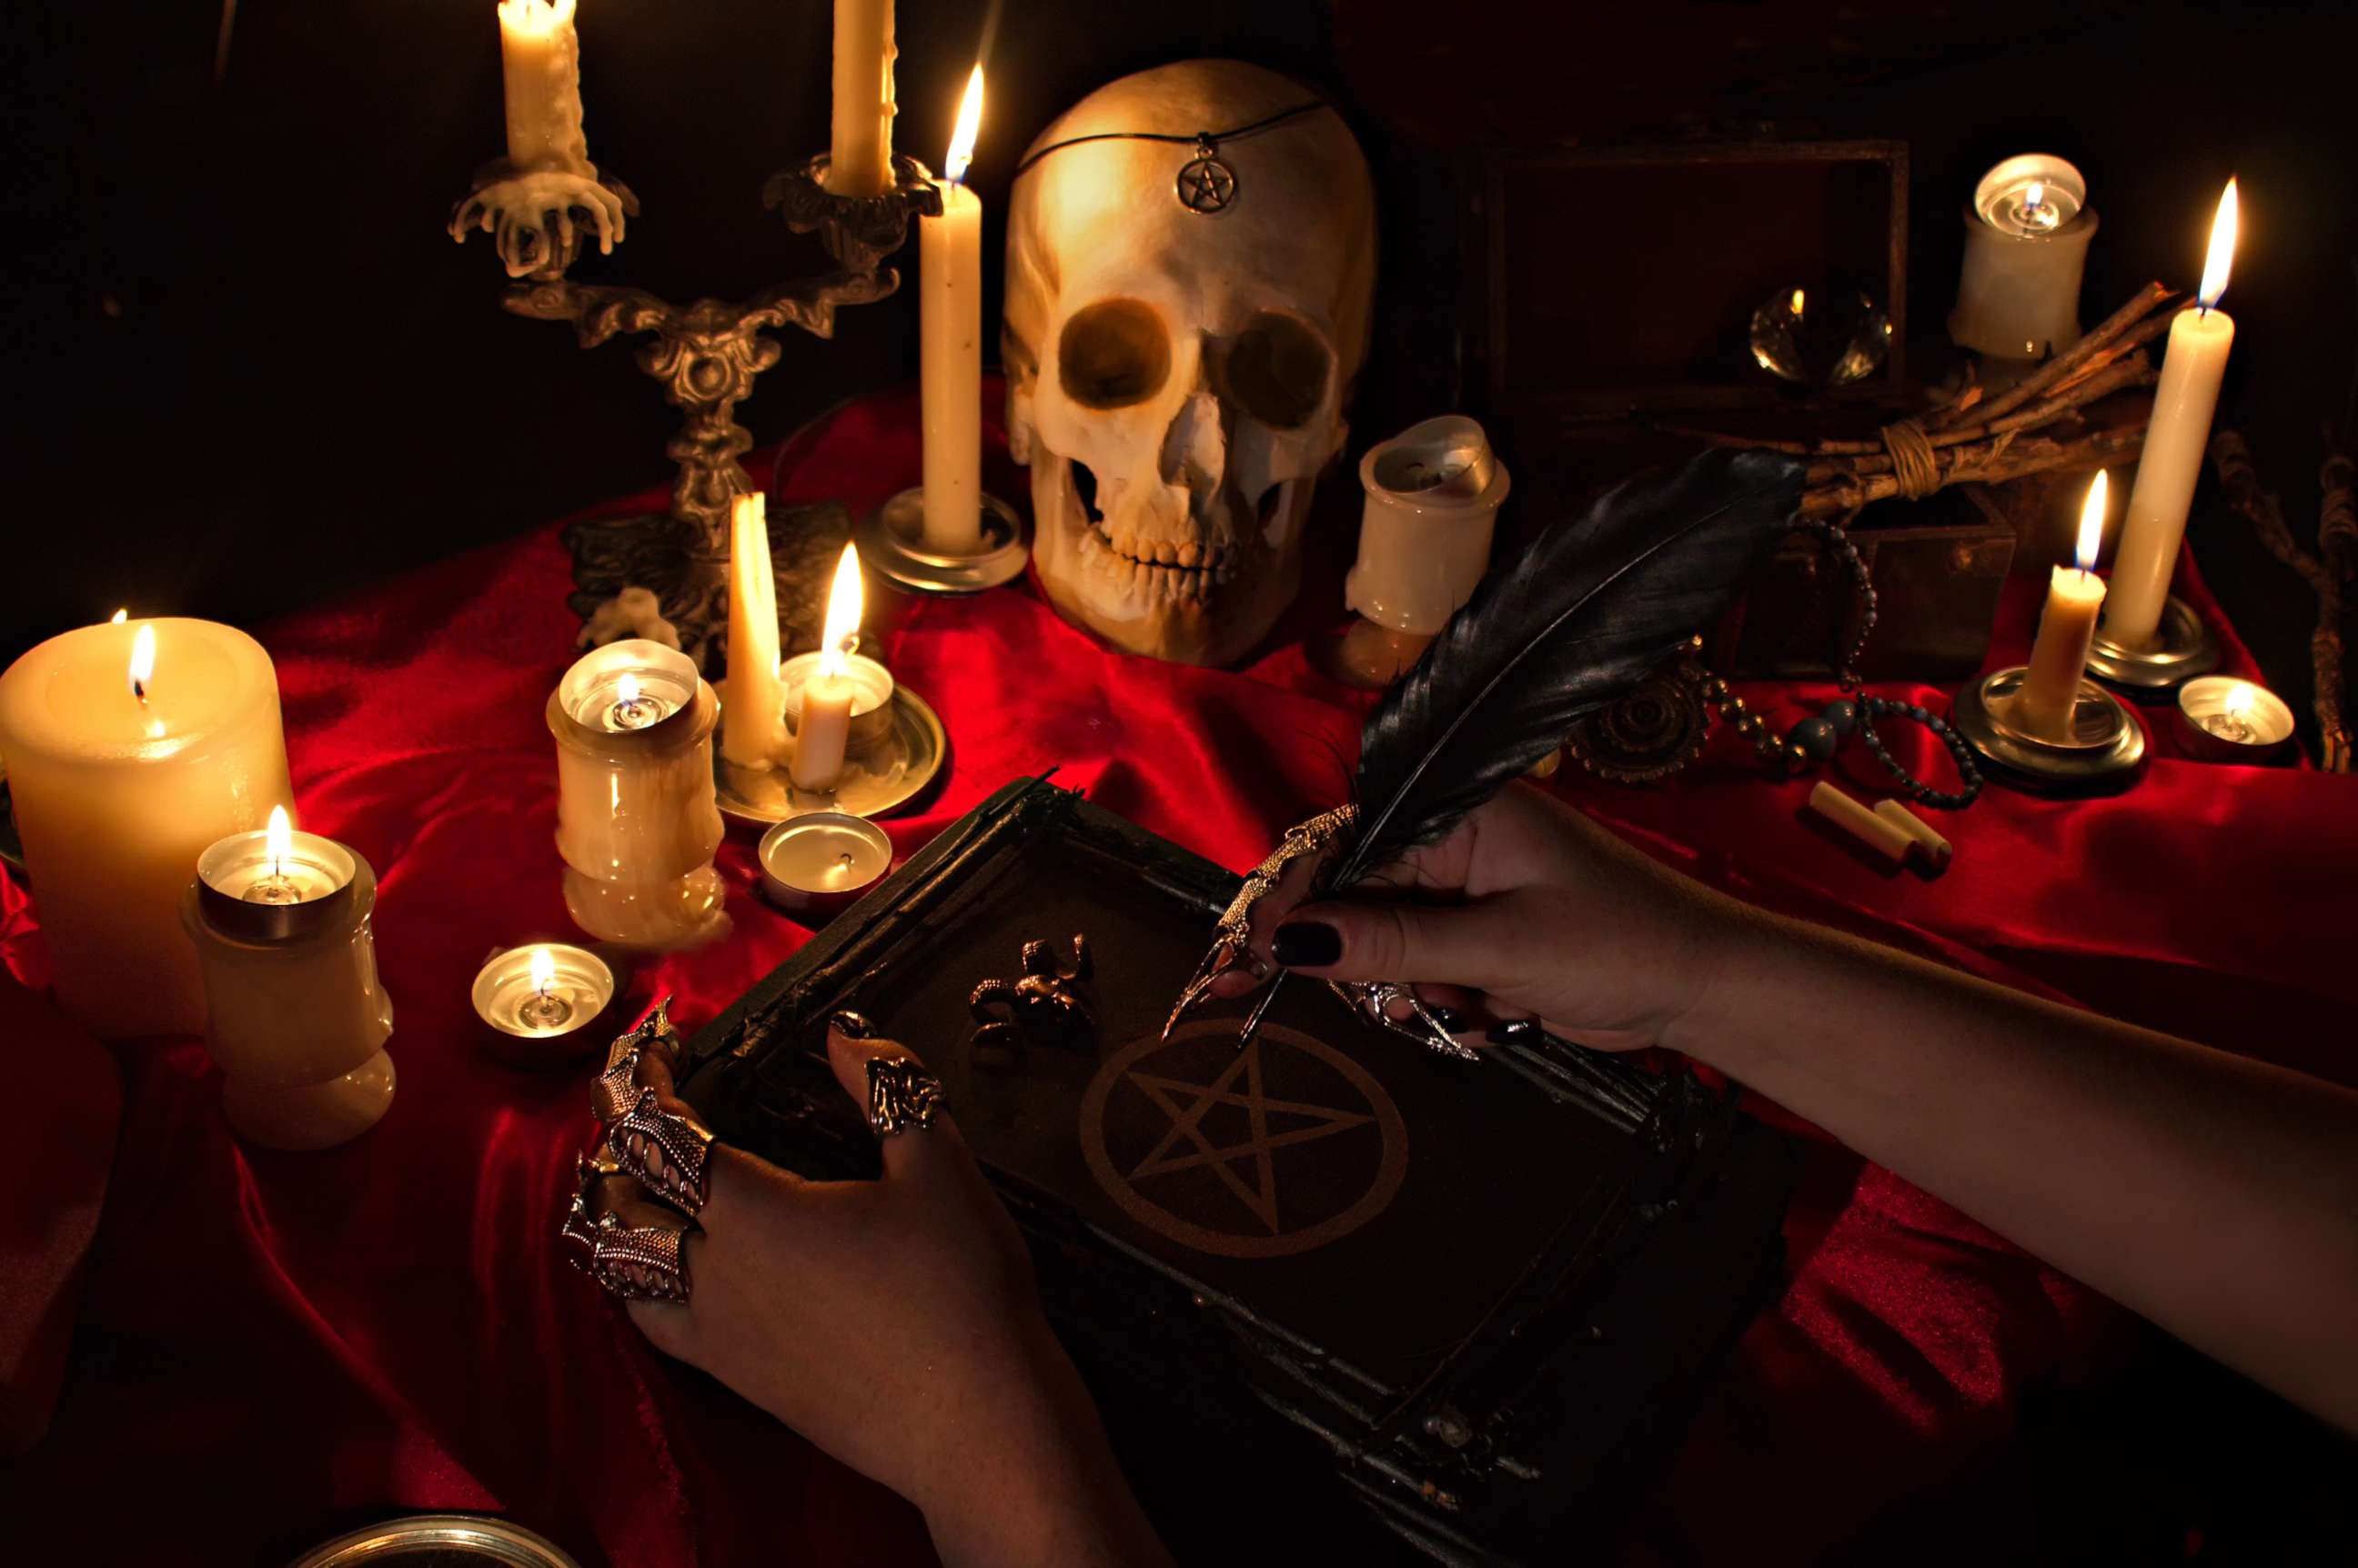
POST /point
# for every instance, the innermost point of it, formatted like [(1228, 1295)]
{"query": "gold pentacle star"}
[(1185, 1104), (1206, 184), (1279, 1134)]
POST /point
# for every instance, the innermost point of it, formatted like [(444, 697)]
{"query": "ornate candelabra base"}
[(706, 356), (2104, 755), (2183, 648)]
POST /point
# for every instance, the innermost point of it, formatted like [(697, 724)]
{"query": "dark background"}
[(252, 370)]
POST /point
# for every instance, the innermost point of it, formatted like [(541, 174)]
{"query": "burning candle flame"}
[(970, 125), (626, 690), (535, 17), (118, 618), (1800, 297), (278, 840), (2239, 703), (2092, 523), (844, 608), (143, 662), (2223, 250), (544, 969), (2035, 198)]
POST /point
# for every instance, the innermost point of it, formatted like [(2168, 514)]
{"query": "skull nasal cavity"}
[(1277, 369), (1113, 354)]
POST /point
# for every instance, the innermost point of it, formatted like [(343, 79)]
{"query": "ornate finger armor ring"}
[(635, 1262), (613, 1092), (900, 1095), (663, 1149)]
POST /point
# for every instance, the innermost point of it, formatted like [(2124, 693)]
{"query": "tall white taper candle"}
[(950, 289), (2175, 441)]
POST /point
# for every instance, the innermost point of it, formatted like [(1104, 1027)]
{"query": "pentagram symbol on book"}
[(1281, 1148)]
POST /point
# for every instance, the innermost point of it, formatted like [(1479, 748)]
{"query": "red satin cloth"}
[(273, 1347)]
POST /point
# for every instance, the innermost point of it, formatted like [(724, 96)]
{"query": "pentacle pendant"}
[(1207, 184)]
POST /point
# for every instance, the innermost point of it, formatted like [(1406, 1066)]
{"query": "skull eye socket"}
[(1277, 369), (1113, 354)]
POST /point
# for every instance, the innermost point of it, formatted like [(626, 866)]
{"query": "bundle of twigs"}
[(2328, 572), (1975, 435)]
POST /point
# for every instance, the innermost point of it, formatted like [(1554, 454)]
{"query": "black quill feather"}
[(1602, 599)]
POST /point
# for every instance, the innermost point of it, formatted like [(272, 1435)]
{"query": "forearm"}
[(1040, 1485), (2217, 1195)]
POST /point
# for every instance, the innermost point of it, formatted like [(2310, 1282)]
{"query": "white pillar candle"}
[(2026, 234), (859, 157), (949, 291), (2058, 659), (119, 783), (753, 723), (2175, 441), (824, 729), (540, 60)]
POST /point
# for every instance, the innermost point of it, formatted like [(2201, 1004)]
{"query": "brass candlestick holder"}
[(2103, 753), (705, 356)]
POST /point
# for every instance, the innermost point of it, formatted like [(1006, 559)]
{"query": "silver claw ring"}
[(665, 1150), (635, 1262), (900, 1095), (613, 1092)]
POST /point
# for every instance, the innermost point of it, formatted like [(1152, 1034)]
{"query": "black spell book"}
[(1332, 1282)]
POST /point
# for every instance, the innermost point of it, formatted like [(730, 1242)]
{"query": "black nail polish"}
[(1306, 944), (1515, 1032), (852, 1025), (1449, 1018)]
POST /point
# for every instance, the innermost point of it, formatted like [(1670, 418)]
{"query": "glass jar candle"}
[(2026, 234), (295, 1016), (636, 818)]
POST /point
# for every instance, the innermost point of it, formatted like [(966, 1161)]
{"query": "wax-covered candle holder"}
[(296, 1017), (546, 1002), (635, 817), (705, 355), (2183, 648), (2026, 234), (1433, 498)]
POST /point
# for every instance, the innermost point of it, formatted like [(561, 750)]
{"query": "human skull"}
[(1177, 377)]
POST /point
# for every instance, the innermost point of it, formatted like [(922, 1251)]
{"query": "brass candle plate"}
[(2184, 649), (876, 778), (892, 542), (2104, 752)]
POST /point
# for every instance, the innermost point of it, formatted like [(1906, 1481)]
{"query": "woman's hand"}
[(1527, 909), (896, 1325)]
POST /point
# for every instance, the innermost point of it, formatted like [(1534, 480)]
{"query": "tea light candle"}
[(2223, 720), (637, 821), (824, 702), (822, 862), (2050, 693), (131, 747), (540, 1001), (2175, 441), (294, 1015), (949, 297), (2026, 234)]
